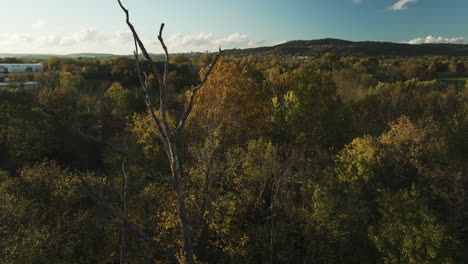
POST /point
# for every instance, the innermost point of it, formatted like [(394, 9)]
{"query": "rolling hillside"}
[(350, 48), (313, 48)]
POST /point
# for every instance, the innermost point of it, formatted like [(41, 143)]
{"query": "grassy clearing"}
[(453, 79)]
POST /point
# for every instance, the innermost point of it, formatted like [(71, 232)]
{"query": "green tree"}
[(408, 232), (71, 81), (311, 111), (122, 102), (45, 217)]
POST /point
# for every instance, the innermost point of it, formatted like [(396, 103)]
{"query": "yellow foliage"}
[(359, 160)]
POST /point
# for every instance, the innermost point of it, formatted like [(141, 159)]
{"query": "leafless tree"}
[(169, 136)]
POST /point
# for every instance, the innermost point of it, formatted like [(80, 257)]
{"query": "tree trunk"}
[(181, 209), (123, 245)]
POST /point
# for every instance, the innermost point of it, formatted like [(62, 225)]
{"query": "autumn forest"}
[(229, 157)]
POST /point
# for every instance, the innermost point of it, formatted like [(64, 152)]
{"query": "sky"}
[(98, 26)]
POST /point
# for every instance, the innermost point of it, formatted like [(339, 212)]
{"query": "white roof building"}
[(6, 68), (26, 85)]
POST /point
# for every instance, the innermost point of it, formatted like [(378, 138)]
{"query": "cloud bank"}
[(208, 42), (88, 39), (440, 40)]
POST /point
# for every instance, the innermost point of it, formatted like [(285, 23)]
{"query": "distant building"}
[(301, 57), (25, 85), (6, 68)]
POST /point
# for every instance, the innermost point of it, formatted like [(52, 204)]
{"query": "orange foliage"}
[(233, 102)]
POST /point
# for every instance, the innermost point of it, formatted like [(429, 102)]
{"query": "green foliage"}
[(70, 81), (48, 79), (45, 217), (179, 59), (19, 77), (23, 131), (121, 101), (378, 173), (359, 161), (311, 110), (408, 232), (353, 86)]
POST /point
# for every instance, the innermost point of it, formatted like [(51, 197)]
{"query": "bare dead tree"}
[(169, 140), (168, 135)]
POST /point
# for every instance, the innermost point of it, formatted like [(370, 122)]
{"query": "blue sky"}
[(64, 26)]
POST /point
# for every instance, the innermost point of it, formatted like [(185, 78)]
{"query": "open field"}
[(465, 78)]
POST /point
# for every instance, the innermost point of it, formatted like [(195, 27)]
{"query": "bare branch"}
[(169, 139), (163, 127), (161, 250), (144, 96), (148, 100), (143, 82), (140, 43), (157, 122), (163, 88), (166, 61), (193, 92), (210, 69)]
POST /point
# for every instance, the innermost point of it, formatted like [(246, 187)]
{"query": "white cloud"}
[(401, 5), (38, 24), (121, 36), (88, 39), (235, 40), (179, 41), (358, 1), (431, 39), (88, 35), (49, 40), (207, 41), (17, 38)]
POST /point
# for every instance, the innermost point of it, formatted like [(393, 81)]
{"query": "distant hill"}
[(26, 56), (44, 56), (316, 48), (91, 55), (312, 48)]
